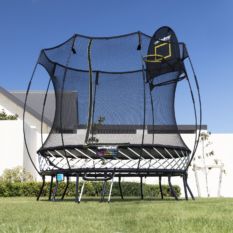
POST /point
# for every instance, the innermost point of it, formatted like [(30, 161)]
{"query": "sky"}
[(27, 26)]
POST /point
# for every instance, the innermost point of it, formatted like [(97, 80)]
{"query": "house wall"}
[(11, 144), (12, 108), (32, 138), (13, 151), (223, 147)]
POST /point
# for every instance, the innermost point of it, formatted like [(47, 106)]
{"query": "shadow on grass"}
[(115, 199)]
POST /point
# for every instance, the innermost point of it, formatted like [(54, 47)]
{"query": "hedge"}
[(30, 189)]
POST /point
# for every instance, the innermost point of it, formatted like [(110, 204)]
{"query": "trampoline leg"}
[(110, 190), (67, 184), (55, 191), (190, 192), (160, 187), (185, 187), (119, 182), (103, 191), (141, 188), (41, 188), (50, 188), (173, 193), (76, 188)]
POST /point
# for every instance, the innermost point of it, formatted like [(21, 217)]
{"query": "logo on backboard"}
[(162, 50)]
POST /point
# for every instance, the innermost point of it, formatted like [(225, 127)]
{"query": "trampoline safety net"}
[(114, 106)]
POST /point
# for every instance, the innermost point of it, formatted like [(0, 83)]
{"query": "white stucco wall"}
[(32, 137), (11, 144), (13, 153), (222, 145)]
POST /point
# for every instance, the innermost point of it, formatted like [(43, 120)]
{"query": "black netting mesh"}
[(106, 93)]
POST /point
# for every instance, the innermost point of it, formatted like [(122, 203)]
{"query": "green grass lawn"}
[(131, 216)]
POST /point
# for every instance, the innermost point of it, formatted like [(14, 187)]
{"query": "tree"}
[(207, 161), (4, 116), (93, 139), (16, 174)]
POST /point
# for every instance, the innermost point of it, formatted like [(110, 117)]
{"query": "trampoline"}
[(115, 110)]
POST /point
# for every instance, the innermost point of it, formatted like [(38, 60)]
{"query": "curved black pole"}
[(196, 124), (42, 115), (197, 134), (24, 111), (200, 105), (62, 92)]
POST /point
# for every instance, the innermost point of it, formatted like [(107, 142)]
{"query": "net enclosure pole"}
[(62, 93), (43, 109), (197, 124), (90, 93), (24, 111), (144, 110)]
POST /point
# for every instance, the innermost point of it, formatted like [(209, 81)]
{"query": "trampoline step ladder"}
[(93, 177)]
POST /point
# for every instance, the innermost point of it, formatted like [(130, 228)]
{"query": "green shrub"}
[(29, 189), (13, 189), (3, 190)]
